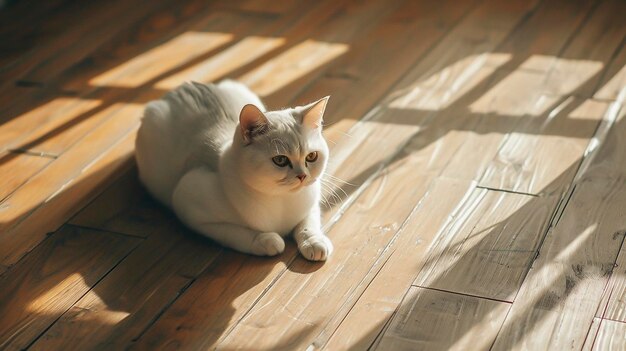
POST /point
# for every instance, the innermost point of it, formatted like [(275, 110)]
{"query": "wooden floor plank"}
[(543, 147), (140, 70), (278, 80), (55, 194), (613, 304), (407, 254), (598, 40), (440, 115), (559, 298), (416, 26), (611, 336), (62, 120), (37, 117), (68, 119), (124, 207), (314, 47), (371, 143), (16, 169), (161, 28), (214, 302), (123, 304), (613, 85), (55, 55), (435, 320), (254, 36), (519, 91), (18, 39), (58, 273), (488, 248), (591, 335), (542, 157)]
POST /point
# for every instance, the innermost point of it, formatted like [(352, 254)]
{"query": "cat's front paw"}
[(316, 248), (268, 244)]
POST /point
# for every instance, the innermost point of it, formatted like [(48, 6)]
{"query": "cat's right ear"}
[(252, 123)]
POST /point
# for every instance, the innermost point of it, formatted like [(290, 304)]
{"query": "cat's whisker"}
[(327, 192), (335, 188), (330, 176), (324, 198), (332, 193)]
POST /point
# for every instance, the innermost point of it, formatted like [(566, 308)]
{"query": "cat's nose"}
[(301, 176)]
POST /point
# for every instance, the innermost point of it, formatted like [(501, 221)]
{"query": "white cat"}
[(234, 172)]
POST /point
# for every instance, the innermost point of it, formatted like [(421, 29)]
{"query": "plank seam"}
[(95, 198), (507, 191), (10, 267), (608, 281), (36, 208), (102, 230), (385, 327), (508, 312), (595, 337), (356, 300), (24, 83), (164, 309), (463, 294)]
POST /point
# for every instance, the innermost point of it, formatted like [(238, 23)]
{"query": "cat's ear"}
[(252, 122), (313, 114)]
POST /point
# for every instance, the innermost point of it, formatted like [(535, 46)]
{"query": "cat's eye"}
[(312, 157), (281, 160)]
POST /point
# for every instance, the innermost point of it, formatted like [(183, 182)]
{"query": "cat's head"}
[(282, 151)]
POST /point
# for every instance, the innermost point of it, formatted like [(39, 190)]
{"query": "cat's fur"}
[(206, 151)]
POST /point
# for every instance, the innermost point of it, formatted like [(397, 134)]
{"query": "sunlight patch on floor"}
[(537, 84), (549, 285), (240, 54), (615, 88), (441, 89), (31, 122), (161, 59), (291, 65), (73, 282)]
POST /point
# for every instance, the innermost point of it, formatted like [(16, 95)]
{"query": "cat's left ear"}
[(313, 114), (252, 122)]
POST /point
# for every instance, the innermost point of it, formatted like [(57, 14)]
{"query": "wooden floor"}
[(478, 162)]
